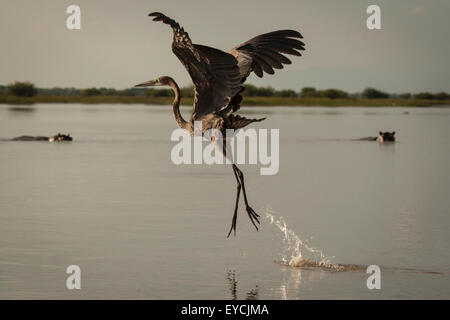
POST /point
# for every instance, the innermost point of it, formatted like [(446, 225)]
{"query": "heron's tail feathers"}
[(237, 122)]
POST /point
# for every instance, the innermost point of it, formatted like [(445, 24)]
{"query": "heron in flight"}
[(218, 79)]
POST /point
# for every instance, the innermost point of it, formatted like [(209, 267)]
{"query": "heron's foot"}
[(253, 216)]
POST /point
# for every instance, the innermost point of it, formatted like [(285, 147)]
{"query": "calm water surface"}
[(141, 227)]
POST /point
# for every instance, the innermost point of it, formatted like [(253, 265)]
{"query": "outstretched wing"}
[(265, 52), (215, 73)]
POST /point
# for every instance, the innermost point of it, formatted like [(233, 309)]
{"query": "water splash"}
[(298, 253)]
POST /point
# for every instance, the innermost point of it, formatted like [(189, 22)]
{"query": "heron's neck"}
[(176, 105)]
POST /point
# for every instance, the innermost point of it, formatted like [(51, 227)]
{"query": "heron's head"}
[(161, 81)]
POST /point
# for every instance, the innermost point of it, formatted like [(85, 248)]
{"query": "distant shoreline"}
[(248, 101)]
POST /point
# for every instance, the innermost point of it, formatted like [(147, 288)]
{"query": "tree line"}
[(27, 89)]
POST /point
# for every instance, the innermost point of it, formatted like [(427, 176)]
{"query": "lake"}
[(140, 227)]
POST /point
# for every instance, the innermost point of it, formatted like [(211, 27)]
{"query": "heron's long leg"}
[(240, 184), (223, 147), (233, 222), (251, 213)]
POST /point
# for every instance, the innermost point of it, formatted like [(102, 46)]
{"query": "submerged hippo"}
[(382, 137), (58, 138)]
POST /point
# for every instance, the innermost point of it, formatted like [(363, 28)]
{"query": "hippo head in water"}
[(61, 137), (386, 136)]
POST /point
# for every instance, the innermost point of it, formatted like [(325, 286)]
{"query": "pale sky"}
[(119, 46)]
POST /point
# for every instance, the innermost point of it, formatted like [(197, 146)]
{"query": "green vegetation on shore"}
[(27, 93)]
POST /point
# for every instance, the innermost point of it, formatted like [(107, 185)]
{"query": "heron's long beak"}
[(150, 83)]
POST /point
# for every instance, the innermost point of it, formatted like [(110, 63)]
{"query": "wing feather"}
[(265, 52), (262, 54)]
